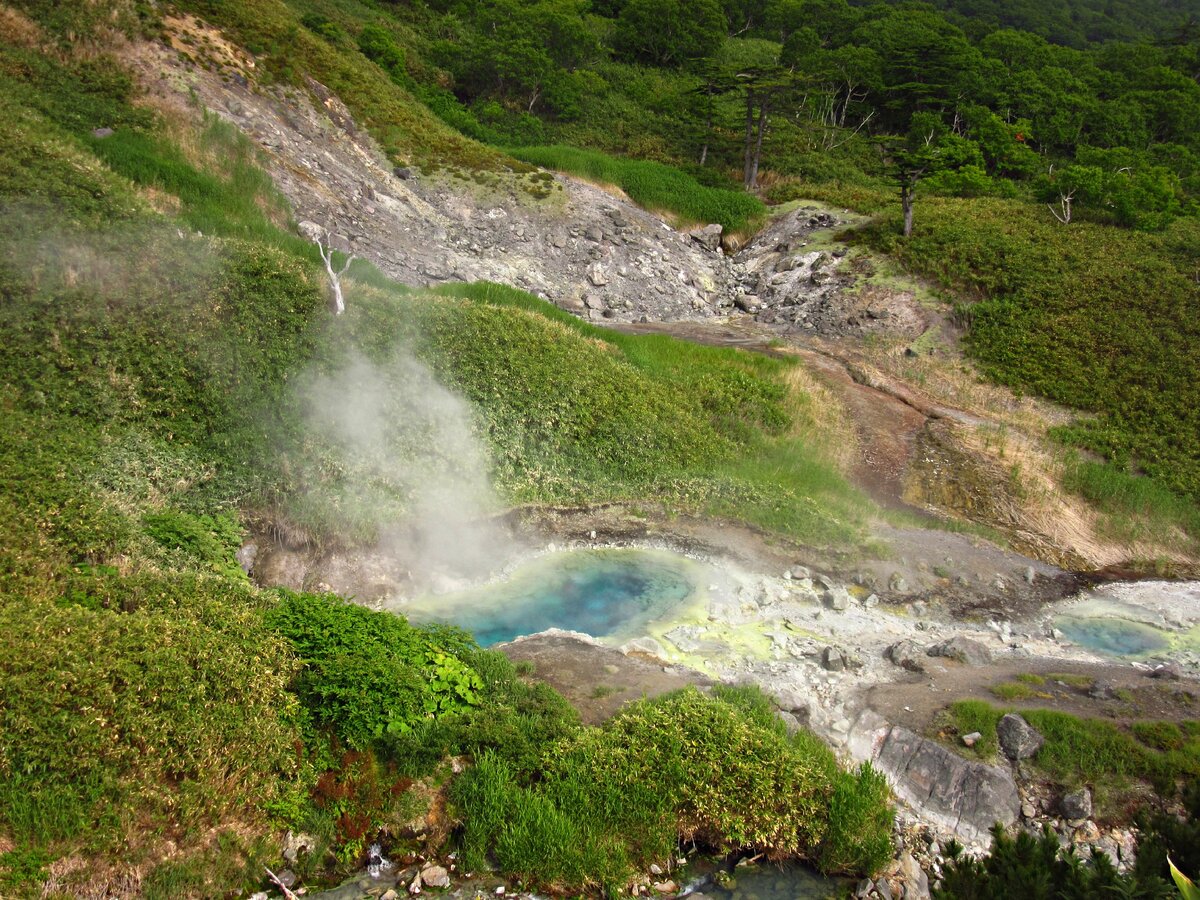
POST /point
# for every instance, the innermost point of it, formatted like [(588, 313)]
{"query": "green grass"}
[(726, 445), (654, 185), (1090, 751), (1096, 317), (1136, 508), (1015, 690)]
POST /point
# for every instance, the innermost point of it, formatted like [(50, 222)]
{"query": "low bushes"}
[(169, 709), (365, 674), (1097, 317), (685, 767)]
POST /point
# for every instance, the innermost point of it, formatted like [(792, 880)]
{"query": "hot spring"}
[(1113, 636), (613, 594)]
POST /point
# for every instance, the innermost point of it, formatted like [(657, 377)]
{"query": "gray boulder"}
[(1077, 804), (1018, 739), (907, 655), (964, 796), (832, 660), (708, 237), (964, 650), (435, 876)]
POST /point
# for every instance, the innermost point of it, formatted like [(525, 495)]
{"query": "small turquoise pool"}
[(1113, 636), (603, 593)]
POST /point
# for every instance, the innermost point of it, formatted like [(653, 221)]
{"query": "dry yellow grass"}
[(820, 418), (18, 29)]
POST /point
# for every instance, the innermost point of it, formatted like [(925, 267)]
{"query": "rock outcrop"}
[(963, 796)]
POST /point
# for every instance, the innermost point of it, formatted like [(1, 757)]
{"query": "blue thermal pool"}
[(603, 593), (1113, 636)]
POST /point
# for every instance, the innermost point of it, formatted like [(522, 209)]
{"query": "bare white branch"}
[(335, 278)]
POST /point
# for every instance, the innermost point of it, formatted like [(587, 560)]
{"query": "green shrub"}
[(1092, 316), (515, 720), (368, 674), (860, 823), (106, 713), (212, 541), (1037, 867), (719, 772)]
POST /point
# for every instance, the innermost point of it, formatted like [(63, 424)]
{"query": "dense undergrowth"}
[(1098, 318)]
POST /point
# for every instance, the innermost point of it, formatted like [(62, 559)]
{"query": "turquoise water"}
[(1113, 636), (603, 593)]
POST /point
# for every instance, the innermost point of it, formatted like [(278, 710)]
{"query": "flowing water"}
[(603, 593)]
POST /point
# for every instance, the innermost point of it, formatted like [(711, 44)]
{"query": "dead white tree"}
[(335, 278), (1064, 202), (323, 238)]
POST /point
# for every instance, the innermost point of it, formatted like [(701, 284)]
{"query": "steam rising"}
[(402, 453)]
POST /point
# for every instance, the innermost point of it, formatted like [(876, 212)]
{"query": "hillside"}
[(216, 492)]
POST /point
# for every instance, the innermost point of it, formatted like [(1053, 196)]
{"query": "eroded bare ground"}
[(595, 679)]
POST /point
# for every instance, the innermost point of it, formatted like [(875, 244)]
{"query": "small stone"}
[(971, 739), (1028, 810), (964, 650), (1077, 804), (836, 599), (898, 583), (402, 173), (799, 573), (1018, 739), (435, 876), (1030, 575), (1167, 672), (1087, 833), (102, 133), (287, 878), (907, 655), (822, 581), (709, 237), (1102, 690), (655, 869), (666, 887), (832, 660), (500, 891)]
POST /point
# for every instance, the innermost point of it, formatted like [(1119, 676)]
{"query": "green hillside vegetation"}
[(654, 186), (152, 400), (1001, 122)]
